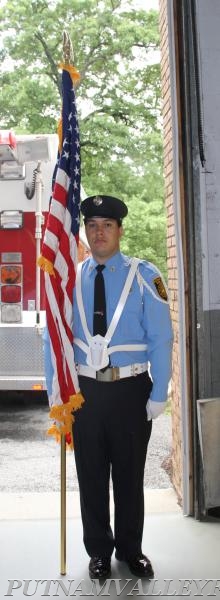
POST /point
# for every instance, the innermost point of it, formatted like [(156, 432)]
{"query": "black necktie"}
[(99, 317)]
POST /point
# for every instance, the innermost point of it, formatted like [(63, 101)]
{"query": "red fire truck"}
[(26, 168)]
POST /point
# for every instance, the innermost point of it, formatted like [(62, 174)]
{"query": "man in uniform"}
[(122, 346)]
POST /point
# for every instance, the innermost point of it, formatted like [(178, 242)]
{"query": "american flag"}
[(59, 259)]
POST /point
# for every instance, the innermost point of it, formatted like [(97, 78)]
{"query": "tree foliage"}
[(118, 99)]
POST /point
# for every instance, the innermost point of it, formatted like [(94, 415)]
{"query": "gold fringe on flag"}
[(46, 265), (63, 414)]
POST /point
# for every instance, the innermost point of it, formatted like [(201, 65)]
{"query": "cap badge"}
[(97, 201)]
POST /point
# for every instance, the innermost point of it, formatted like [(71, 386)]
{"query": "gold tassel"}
[(63, 413), (46, 265)]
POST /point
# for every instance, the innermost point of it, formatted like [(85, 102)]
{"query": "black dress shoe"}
[(139, 565), (99, 567)]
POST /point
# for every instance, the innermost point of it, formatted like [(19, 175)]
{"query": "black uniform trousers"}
[(111, 435)]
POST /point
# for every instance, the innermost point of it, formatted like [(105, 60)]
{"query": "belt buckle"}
[(110, 374), (115, 373), (104, 375)]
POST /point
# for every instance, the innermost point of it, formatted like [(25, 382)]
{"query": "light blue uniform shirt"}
[(144, 320)]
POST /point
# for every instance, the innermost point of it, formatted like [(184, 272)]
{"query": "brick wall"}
[(171, 243)]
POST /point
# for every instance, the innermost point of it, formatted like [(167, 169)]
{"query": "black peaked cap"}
[(104, 206)]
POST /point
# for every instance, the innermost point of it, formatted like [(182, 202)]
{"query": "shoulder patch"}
[(161, 290)]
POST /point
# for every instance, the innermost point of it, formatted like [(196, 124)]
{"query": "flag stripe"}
[(57, 210), (60, 194), (62, 179)]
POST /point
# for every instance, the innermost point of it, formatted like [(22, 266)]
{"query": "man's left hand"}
[(154, 409)]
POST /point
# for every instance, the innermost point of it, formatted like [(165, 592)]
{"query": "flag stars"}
[(77, 157), (65, 154)]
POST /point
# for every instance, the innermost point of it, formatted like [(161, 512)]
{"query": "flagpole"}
[(63, 505)]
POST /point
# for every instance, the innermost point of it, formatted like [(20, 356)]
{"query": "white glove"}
[(154, 409)]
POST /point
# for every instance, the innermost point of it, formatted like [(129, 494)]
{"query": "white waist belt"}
[(112, 373)]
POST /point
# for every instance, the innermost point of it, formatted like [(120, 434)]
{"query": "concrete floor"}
[(185, 553)]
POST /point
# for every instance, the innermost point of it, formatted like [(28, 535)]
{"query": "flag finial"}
[(67, 49)]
